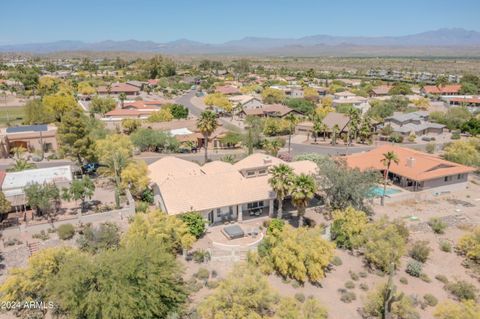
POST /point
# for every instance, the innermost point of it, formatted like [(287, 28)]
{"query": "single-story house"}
[(330, 120), (381, 90), (30, 137), (14, 183), (415, 170), (246, 101), (227, 90), (118, 88), (120, 114), (269, 110), (415, 122), (465, 101), (450, 89), (219, 191), (146, 105)]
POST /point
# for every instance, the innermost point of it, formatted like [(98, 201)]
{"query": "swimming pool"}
[(377, 191)]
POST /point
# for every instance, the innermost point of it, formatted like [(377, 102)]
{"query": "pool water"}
[(377, 191)]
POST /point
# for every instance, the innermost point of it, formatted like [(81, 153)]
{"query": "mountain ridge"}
[(453, 38)]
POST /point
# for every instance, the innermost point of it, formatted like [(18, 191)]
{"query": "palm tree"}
[(273, 146), (353, 125), (335, 131), (207, 124), (281, 183), (324, 131), (387, 160), (20, 165), (302, 191), (317, 127), (292, 120), (122, 97)]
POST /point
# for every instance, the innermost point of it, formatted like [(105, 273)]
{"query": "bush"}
[(202, 274), (214, 274), (300, 297), (420, 251), (212, 284), (404, 280), (455, 136), (349, 285), (200, 256), (445, 246), (414, 268), (424, 277), (275, 225), (296, 284), (354, 276), (362, 274), (41, 235), (65, 231), (437, 225), (430, 300), (141, 206), (193, 285), (103, 237), (364, 286), (462, 290), (337, 261), (348, 297), (430, 148), (195, 223), (442, 278)]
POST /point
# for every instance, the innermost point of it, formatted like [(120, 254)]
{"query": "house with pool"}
[(415, 170), (220, 191)]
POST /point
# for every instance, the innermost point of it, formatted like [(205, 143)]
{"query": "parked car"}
[(91, 168)]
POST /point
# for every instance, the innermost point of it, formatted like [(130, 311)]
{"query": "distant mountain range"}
[(442, 42)]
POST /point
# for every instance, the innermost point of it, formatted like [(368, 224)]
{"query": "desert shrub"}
[(202, 274), (141, 206), (404, 280), (212, 284), (469, 245), (193, 285), (65, 231), (300, 297), (103, 237), (296, 284), (337, 261), (420, 251), (424, 277), (213, 274), (455, 136), (195, 223), (275, 225), (430, 300), (437, 225), (349, 285), (348, 296), (354, 276), (462, 290), (445, 246), (200, 256), (430, 148), (414, 268), (42, 235), (442, 278), (362, 274), (363, 286)]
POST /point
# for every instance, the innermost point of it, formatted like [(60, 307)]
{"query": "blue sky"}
[(216, 21)]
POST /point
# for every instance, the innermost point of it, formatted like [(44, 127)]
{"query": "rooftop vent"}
[(411, 162), (267, 160)]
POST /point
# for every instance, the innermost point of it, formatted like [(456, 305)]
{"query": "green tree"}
[(273, 146), (102, 105), (302, 191), (178, 111), (146, 139), (21, 165), (74, 136), (207, 124), (347, 225), (36, 113), (195, 223), (383, 243), (134, 177), (400, 88), (5, 205), (281, 180), (122, 97), (130, 125), (45, 198), (59, 104), (468, 309), (469, 245), (115, 152), (80, 189), (245, 293), (466, 152), (270, 96), (387, 160), (292, 122), (106, 285)]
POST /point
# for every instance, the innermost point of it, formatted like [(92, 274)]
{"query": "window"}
[(445, 179), (262, 172), (250, 173)]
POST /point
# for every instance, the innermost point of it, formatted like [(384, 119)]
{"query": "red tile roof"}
[(146, 104), (118, 88), (227, 89), (446, 89), (465, 100), (119, 112), (415, 165)]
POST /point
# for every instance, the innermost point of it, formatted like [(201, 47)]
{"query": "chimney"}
[(267, 160), (411, 162)]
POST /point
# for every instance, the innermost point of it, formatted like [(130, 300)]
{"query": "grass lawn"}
[(12, 115)]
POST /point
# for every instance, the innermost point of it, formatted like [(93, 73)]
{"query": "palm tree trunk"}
[(385, 178), (289, 141), (300, 213), (280, 208), (205, 144)]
